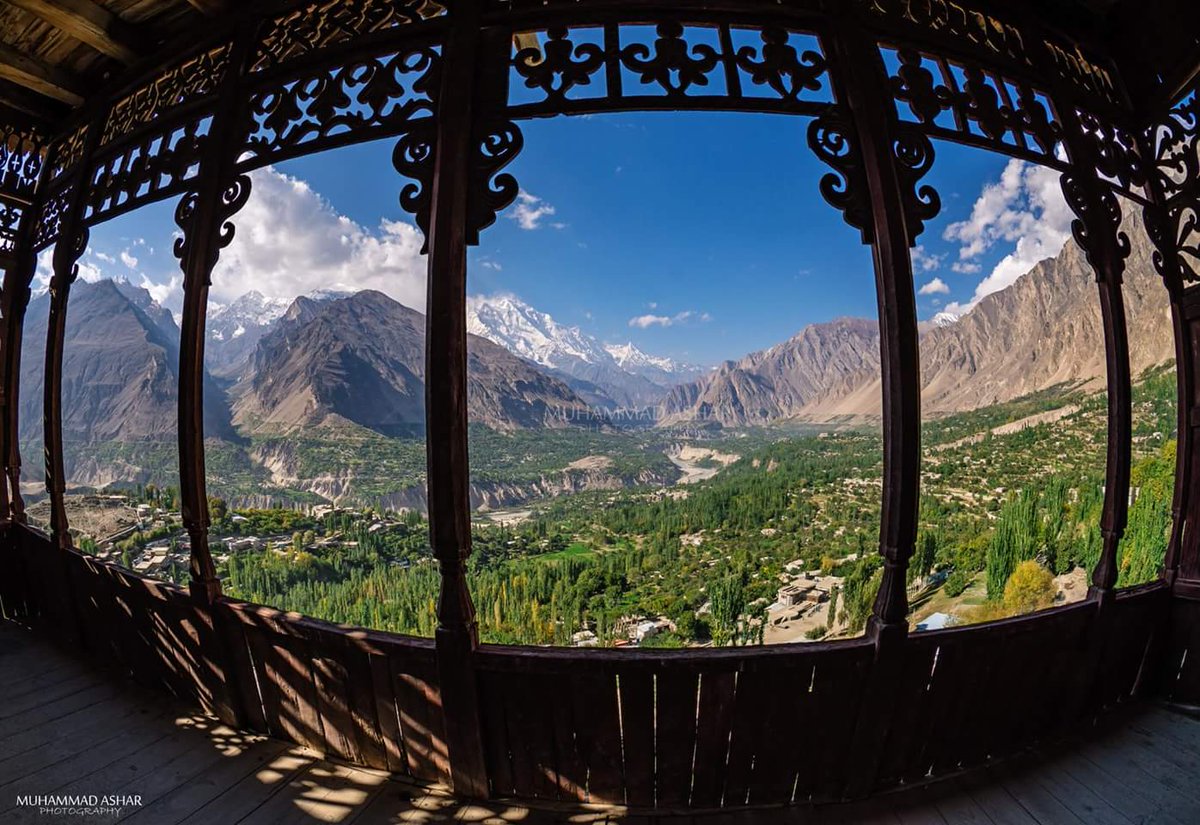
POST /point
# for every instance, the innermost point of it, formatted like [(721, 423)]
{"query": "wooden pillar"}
[(890, 187), (1097, 231), (202, 215), (71, 242), (457, 633), (891, 213), (1163, 233)]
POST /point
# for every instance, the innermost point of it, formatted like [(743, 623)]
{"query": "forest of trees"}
[(1011, 511)]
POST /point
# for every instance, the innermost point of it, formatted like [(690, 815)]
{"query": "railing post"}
[(457, 633), (893, 160)]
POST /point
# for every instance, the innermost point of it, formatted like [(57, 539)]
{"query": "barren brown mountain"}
[(1043, 330)]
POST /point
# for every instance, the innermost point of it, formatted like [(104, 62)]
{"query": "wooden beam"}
[(88, 22), (209, 7), (34, 107), (40, 77)]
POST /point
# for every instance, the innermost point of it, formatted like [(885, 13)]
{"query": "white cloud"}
[(291, 241), (530, 210), (108, 259), (647, 321), (964, 268), (129, 260), (168, 294), (923, 261), (935, 287), (488, 264), (1024, 208)]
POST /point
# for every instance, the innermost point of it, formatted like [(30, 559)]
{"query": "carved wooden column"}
[(884, 199), (202, 216), (462, 198), (1097, 231), (71, 242), (893, 209)]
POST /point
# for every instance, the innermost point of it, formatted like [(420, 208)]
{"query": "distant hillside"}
[(1043, 330), (362, 359)]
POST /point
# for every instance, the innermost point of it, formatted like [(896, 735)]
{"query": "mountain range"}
[(333, 359)]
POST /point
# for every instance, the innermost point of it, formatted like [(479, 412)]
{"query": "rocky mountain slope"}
[(361, 359), (1043, 330)]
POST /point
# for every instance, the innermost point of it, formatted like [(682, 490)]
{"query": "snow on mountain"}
[(632, 358), (234, 329), (530, 334), (944, 319), (609, 375)]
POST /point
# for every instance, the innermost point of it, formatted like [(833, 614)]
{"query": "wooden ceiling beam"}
[(88, 22), (40, 77), (34, 106), (210, 7)]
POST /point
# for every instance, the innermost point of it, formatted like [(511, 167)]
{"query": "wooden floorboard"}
[(72, 728)]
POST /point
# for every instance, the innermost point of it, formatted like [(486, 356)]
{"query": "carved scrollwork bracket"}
[(1097, 225), (232, 198), (65, 260), (831, 137), (413, 158), (914, 158), (496, 145)]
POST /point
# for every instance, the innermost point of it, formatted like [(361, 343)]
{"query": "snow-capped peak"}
[(629, 357), (944, 319), (252, 308), (533, 335)]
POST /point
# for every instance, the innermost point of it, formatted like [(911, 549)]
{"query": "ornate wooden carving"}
[(972, 29), (496, 145), (831, 137), (10, 220), (768, 68), (366, 97), (319, 25), (21, 153), (179, 85), (965, 102), (152, 167)]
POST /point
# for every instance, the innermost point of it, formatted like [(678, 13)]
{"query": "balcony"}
[(944, 721)]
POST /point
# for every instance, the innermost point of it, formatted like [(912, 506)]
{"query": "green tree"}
[(1031, 587)]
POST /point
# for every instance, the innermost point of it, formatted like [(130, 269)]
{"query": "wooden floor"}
[(68, 728)]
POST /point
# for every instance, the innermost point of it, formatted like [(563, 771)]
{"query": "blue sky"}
[(700, 236)]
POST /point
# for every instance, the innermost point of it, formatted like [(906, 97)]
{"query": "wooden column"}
[(1097, 231), (890, 221), (71, 242), (1164, 235), (866, 90), (17, 293), (446, 398)]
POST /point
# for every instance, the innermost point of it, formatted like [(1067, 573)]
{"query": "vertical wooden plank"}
[(750, 699), (637, 735), (423, 742), (387, 713), (594, 696), (676, 694), (530, 736), (713, 723), (494, 718), (360, 695), (332, 689), (241, 666)]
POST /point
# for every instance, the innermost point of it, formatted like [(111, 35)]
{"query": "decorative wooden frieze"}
[(321, 24), (370, 96), (185, 83)]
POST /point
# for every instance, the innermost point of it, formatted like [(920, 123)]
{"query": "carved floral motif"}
[(384, 92)]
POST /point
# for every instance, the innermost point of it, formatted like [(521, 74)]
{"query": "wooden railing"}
[(658, 730)]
